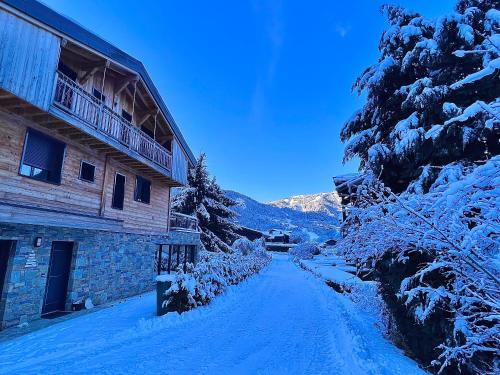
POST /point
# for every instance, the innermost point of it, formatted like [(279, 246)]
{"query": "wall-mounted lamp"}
[(38, 242)]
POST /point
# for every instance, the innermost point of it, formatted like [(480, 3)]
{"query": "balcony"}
[(74, 100), (183, 223)]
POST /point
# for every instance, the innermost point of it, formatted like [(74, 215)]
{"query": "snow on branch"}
[(457, 226), (213, 273)]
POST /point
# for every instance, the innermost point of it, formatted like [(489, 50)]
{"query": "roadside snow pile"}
[(305, 250), (442, 249), (214, 273), (339, 275)]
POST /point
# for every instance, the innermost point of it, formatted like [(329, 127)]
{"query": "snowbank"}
[(305, 250), (339, 275)]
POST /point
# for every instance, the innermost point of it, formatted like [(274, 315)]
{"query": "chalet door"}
[(58, 276), (5, 249)]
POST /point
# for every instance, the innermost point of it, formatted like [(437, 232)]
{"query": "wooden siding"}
[(179, 163), (28, 60), (24, 214), (153, 215), (74, 195)]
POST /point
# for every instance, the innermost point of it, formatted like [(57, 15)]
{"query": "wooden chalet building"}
[(88, 155)]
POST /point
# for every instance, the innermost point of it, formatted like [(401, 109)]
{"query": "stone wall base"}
[(105, 266)]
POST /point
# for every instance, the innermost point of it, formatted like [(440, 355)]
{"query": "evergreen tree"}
[(205, 199), (433, 97)]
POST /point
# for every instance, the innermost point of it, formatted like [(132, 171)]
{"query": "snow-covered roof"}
[(277, 232), (344, 183)]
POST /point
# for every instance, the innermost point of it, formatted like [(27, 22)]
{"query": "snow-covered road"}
[(282, 321)]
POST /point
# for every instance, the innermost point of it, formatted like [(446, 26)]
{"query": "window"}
[(168, 145), (87, 172), (118, 192), (67, 71), (142, 190), (127, 116), (42, 157), (147, 131), (99, 95)]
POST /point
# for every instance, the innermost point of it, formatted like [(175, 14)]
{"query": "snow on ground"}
[(331, 267), (283, 320)]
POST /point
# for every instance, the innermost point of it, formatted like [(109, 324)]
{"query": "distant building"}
[(88, 155), (277, 236), (249, 233), (278, 240)]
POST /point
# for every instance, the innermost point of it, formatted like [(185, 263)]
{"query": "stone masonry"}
[(106, 266)]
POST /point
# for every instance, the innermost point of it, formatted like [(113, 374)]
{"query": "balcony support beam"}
[(125, 85), (144, 119), (88, 74)]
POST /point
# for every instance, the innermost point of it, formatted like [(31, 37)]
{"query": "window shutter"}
[(138, 188), (119, 192), (142, 190), (146, 192), (43, 152)]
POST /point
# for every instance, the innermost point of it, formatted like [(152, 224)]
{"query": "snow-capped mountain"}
[(329, 203), (310, 226)]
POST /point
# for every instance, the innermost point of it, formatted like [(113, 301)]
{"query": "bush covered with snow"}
[(447, 243), (305, 250), (429, 131), (214, 273)]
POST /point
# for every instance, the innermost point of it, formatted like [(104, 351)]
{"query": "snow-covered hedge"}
[(454, 232), (305, 250), (214, 273)]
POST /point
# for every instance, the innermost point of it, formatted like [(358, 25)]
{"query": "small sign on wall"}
[(31, 260)]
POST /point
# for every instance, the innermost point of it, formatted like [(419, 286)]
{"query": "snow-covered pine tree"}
[(433, 95), (205, 199)]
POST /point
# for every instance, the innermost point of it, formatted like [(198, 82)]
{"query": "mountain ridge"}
[(308, 226), (328, 203)]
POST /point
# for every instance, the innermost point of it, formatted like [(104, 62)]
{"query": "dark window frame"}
[(168, 144), (67, 71), (96, 93), (31, 175), (136, 196), (148, 132), (81, 168), (126, 115), (114, 188)]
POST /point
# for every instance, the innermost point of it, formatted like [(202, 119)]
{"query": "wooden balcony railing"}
[(72, 98), (180, 222)]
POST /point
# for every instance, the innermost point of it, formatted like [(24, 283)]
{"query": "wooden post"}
[(133, 101), (185, 257), (169, 209), (104, 78), (160, 251), (169, 267), (154, 131)]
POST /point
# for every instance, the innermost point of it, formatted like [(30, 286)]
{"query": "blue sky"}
[(262, 87)]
